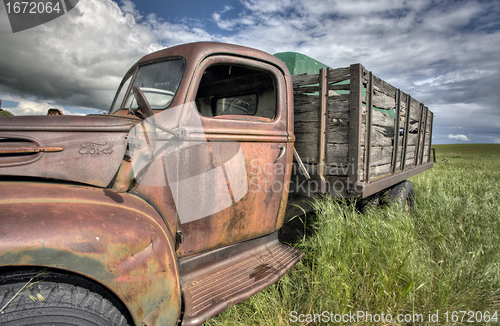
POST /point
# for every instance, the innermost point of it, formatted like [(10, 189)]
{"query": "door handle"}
[(282, 152)]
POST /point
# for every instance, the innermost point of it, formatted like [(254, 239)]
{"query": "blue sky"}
[(444, 53)]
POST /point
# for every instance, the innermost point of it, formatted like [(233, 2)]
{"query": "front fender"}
[(116, 239)]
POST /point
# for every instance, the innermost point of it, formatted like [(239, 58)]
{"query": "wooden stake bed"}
[(352, 130)]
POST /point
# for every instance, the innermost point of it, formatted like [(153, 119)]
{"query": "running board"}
[(217, 280)]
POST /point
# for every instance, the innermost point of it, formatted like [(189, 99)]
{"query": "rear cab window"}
[(232, 90)]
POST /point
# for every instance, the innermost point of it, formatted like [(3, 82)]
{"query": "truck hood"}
[(81, 149)]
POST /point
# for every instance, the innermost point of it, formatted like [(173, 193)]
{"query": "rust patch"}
[(88, 247), (262, 271), (136, 260)]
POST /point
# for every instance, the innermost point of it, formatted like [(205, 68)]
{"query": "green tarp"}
[(298, 63)]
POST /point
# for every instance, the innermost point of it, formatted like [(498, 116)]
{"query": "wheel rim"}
[(408, 204)]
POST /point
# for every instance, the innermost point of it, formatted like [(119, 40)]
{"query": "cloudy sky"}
[(444, 53)]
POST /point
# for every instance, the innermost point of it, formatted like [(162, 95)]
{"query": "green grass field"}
[(443, 258)]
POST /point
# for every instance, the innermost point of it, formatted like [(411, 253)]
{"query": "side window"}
[(228, 89)]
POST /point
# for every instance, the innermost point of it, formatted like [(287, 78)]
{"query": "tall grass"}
[(445, 256)]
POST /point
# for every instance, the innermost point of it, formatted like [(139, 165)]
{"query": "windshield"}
[(158, 81)]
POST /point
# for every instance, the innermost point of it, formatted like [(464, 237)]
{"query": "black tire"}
[(401, 194), (370, 202), (56, 299)]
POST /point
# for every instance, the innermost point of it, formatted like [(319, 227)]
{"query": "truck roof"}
[(195, 52)]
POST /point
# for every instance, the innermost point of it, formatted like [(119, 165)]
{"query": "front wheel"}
[(45, 298), (401, 194)]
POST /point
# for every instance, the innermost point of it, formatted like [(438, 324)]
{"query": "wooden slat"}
[(339, 98), (380, 170), (419, 139), (383, 120), (338, 73), (430, 137), (396, 131), (421, 155), (306, 89), (368, 143), (407, 126), (415, 110), (334, 80), (338, 133), (382, 101), (310, 112), (385, 87), (355, 118), (342, 87), (323, 93), (381, 155), (381, 136), (304, 80)]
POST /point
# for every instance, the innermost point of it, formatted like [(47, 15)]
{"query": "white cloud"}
[(458, 137), (224, 24), (128, 7), (444, 54), (80, 58), (29, 107)]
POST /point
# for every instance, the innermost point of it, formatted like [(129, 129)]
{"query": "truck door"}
[(230, 182)]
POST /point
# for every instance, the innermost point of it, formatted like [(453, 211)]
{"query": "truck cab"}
[(168, 207)]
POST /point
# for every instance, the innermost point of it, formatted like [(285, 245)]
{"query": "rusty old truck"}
[(167, 209)]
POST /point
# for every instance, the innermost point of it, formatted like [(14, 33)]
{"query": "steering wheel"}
[(142, 102)]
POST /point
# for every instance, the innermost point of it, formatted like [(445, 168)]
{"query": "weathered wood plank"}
[(342, 87), (381, 155), (355, 118), (384, 87), (385, 169), (323, 119), (381, 119), (377, 171), (333, 170), (304, 80), (381, 136), (412, 139), (368, 117), (307, 151), (411, 152), (339, 79), (334, 76), (308, 132), (306, 89), (415, 109), (310, 112), (426, 155), (338, 73), (304, 98), (338, 98), (335, 153), (382, 101)]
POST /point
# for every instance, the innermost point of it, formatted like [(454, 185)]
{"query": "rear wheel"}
[(368, 203), (401, 194), (48, 298)]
